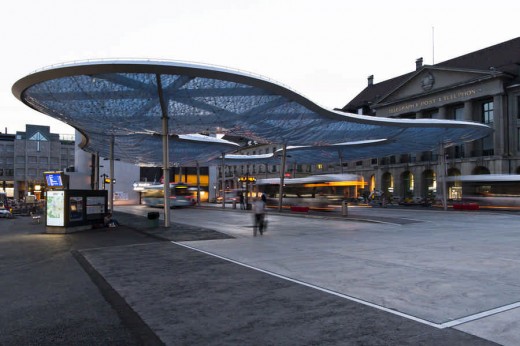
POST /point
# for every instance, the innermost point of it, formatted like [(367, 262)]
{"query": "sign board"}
[(54, 179)]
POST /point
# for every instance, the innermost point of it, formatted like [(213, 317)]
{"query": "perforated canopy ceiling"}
[(128, 100)]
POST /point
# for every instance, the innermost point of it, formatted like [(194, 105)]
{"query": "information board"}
[(56, 208)]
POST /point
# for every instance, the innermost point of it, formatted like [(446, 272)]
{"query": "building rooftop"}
[(503, 57)]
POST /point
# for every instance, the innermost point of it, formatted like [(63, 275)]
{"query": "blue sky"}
[(322, 49)]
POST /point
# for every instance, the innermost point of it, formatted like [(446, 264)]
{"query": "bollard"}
[(344, 208), (153, 219), (234, 204)]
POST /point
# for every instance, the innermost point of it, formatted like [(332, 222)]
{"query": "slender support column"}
[(198, 184), (96, 171), (112, 174), (340, 162), (223, 180), (282, 176), (443, 173), (166, 151)]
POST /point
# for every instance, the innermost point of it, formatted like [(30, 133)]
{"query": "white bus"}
[(491, 191), (181, 195)]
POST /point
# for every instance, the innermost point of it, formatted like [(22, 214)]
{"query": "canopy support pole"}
[(166, 151), (340, 162), (282, 176), (198, 184), (112, 140), (223, 180), (96, 171), (443, 173)]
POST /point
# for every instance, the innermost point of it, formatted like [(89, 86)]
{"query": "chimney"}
[(371, 80), (418, 64)]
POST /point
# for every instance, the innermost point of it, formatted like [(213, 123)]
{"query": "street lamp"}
[(104, 176)]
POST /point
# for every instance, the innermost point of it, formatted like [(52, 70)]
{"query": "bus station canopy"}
[(145, 150), (135, 102), (334, 153)]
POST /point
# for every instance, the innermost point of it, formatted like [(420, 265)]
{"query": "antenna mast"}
[(433, 45)]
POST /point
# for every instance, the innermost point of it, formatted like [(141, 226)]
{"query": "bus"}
[(181, 195), (318, 192), (489, 191)]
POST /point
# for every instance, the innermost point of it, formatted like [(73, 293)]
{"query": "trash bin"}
[(344, 208), (153, 219)]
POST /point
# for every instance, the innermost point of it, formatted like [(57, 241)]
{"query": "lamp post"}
[(104, 176)]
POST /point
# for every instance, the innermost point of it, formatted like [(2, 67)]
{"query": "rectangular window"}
[(487, 113), (518, 107), (458, 113), (431, 114), (518, 138), (487, 118)]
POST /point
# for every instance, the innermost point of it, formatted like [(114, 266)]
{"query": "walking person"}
[(259, 216), (242, 201)]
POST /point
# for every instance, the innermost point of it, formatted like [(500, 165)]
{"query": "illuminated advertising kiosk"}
[(72, 210)]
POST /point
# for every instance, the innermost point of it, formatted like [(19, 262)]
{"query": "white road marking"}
[(364, 302)]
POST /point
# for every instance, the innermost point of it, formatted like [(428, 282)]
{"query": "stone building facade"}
[(482, 86), (24, 157)]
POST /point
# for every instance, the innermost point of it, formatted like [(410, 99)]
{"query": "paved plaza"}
[(381, 276)]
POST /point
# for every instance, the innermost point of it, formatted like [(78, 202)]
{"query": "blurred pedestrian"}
[(259, 216), (242, 202)]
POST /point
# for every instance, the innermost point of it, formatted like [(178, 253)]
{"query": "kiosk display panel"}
[(56, 208)]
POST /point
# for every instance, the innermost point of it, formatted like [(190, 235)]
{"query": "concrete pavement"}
[(407, 277)]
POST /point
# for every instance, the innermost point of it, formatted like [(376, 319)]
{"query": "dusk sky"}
[(323, 49)]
